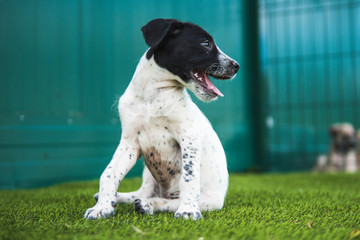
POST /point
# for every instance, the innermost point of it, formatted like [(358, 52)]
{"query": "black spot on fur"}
[(186, 167)]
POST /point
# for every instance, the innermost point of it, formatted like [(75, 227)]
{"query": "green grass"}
[(269, 206)]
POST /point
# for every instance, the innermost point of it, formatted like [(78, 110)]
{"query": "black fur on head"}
[(188, 51), (158, 30)]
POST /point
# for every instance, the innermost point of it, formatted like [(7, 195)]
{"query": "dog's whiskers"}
[(219, 69)]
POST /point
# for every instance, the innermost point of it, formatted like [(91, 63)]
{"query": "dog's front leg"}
[(350, 164), (190, 178), (123, 160)]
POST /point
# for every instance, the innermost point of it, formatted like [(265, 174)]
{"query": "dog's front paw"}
[(192, 213), (99, 211), (143, 207)]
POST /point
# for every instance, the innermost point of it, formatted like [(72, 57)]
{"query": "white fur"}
[(156, 112)]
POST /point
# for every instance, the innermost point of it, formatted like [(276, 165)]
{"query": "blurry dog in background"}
[(342, 154)]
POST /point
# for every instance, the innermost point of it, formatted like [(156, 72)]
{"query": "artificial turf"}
[(266, 206)]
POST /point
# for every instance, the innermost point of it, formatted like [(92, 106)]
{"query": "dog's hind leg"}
[(208, 201), (148, 189)]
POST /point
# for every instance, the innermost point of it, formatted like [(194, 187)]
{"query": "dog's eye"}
[(205, 44)]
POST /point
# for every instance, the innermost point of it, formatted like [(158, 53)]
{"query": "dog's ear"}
[(157, 30), (333, 130)]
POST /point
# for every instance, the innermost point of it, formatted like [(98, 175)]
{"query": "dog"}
[(185, 165), (342, 150)]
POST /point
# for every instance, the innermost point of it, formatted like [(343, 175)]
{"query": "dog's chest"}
[(162, 154)]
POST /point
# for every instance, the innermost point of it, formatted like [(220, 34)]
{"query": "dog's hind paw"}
[(99, 211), (143, 207), (186, 214)]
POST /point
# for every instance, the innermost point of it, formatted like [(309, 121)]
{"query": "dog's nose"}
[(235, 65)]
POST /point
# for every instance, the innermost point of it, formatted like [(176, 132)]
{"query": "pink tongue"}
[(211, 86)]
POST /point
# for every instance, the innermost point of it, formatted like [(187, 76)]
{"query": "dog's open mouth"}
[(204, 81)]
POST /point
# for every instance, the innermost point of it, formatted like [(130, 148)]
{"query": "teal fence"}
[(310, 66), (63, 65)]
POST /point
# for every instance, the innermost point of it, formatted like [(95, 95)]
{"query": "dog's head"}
[(189, 52), (343, 137)]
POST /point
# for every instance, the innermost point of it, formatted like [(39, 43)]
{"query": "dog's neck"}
[(150, 78)]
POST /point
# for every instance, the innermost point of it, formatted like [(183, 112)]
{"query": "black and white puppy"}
[(185, 162)]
